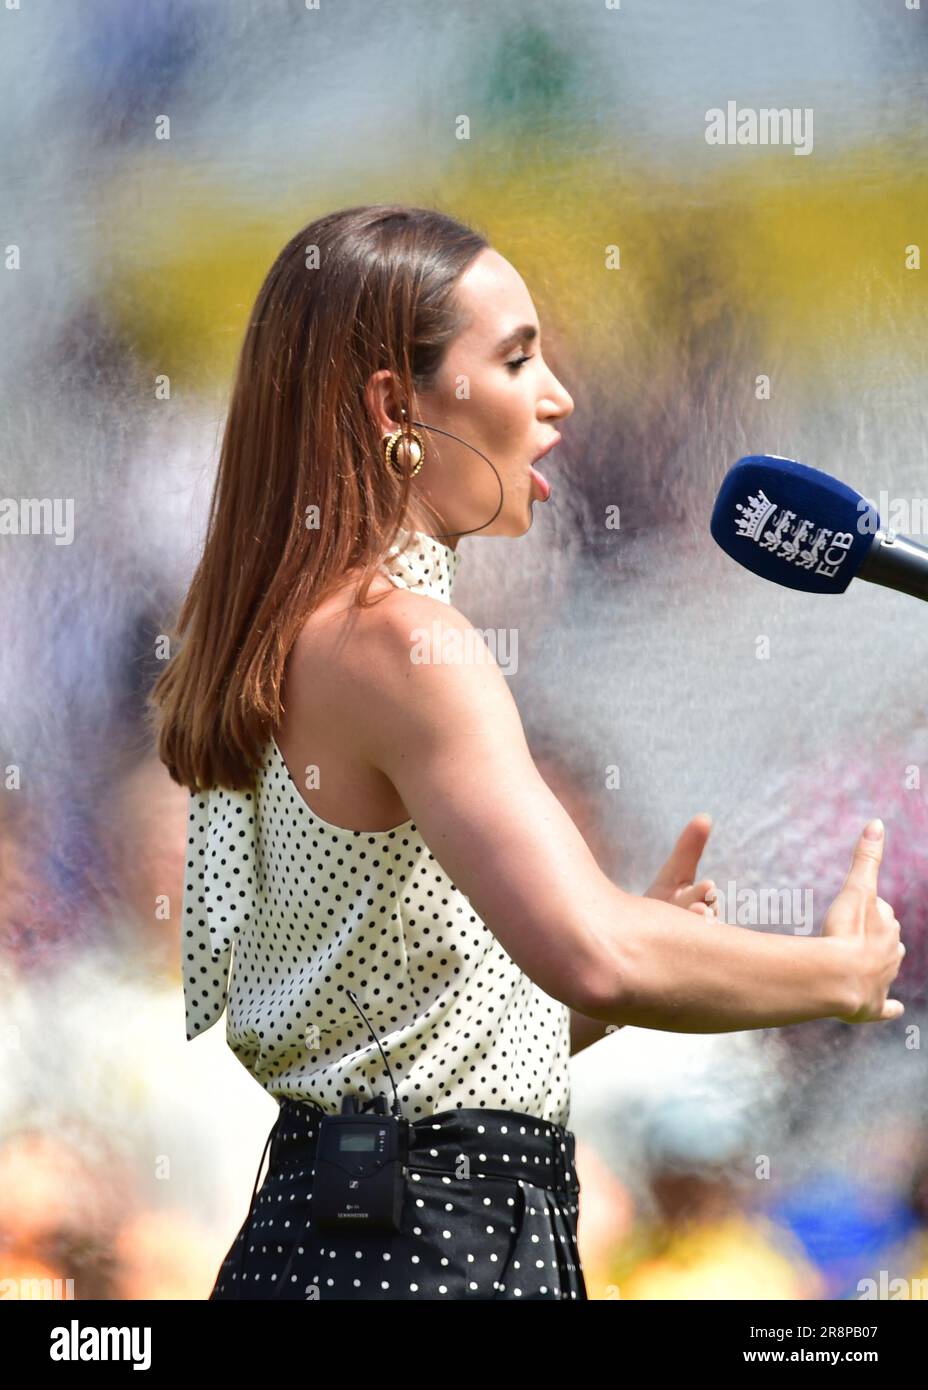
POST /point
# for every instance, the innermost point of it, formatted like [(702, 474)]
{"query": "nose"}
[(558, 404)]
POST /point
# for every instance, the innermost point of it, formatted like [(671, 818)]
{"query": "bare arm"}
[(692, 976), (449, 737)]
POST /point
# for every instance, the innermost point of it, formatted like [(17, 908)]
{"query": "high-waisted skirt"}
[(506, 1230)]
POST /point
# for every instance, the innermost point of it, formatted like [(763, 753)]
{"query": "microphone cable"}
[(456, 437)]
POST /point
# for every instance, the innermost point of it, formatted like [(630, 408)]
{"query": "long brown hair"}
[(302, 492)]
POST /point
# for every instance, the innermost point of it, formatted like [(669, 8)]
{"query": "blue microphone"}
[(806, 530)]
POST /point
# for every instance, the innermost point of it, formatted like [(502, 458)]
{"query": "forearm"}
[(585, 1030), (665, 967)]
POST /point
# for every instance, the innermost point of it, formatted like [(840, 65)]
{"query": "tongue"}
[(543, 484)]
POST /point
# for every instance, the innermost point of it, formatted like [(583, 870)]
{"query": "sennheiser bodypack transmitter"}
[(361, 1171)]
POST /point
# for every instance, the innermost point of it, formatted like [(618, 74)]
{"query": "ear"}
[(382, 399)]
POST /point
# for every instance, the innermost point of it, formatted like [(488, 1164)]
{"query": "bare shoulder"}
[(358, 663), (432, 674), (352, 634)]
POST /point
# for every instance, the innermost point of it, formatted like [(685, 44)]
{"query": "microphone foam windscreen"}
[(792, 524)]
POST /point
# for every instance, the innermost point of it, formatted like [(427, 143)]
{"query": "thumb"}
[(683, 862), (868, 855)]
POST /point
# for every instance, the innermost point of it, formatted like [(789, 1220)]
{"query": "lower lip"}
[(542, 484)]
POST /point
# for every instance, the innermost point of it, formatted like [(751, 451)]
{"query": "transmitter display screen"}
[(355, 1141)]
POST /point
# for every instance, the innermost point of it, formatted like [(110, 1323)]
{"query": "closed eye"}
[(517, 362)]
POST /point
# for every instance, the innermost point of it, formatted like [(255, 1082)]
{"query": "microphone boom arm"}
[(898, 563)]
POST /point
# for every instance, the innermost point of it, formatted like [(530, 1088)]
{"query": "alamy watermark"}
[(747, 907), (908, 515), (38, 516), (884, 1287), (444, 644), (747, 125)]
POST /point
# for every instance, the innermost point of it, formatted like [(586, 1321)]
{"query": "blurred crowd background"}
[(789, 1164)]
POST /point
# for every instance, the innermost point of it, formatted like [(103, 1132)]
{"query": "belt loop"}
[(562, 1158)]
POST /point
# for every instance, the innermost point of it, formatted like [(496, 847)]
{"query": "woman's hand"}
[(675, 883), (869, 926)]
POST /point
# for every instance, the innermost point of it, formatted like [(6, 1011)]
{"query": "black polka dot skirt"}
[(490, 1212)]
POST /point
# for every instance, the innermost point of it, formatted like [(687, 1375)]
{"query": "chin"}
[(531, 516), (512, 527), (512, 523)]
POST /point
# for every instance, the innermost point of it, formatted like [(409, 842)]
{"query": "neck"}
[(426, 530), (421, 562)]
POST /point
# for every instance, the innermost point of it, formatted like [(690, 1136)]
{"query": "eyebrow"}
[(525, 333)]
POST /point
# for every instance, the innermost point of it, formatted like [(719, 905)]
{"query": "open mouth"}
[(540, 481)]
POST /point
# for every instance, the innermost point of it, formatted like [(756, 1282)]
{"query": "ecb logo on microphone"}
[(788, 541)]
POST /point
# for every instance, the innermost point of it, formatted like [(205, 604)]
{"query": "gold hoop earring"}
[(413, 450)]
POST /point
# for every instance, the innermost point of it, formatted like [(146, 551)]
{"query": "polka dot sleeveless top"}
[(284, 911)]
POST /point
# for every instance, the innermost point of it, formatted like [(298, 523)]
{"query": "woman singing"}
[(398, 917)]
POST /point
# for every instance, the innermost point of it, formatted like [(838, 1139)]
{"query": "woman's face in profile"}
[(495, 391)]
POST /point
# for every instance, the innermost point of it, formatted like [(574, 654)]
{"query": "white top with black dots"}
[(303, 910)]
